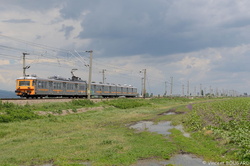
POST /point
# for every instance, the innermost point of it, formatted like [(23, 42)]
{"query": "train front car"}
[(25, 87)]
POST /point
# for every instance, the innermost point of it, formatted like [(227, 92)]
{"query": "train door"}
[(76, 89), (109, 90), (64, 88), (102, 93), (93, 90), (122, 90), (50, 87)]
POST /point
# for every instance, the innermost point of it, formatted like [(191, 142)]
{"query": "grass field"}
[(102, 136)]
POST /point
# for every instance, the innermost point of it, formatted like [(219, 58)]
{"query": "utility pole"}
[(188, 88), (182, 90), (90, 73), (210, 90), (165, 88), (103, 75), (171, 90), (201, 92), (195, 91), (142, 86), (144, 83), (25, 67)]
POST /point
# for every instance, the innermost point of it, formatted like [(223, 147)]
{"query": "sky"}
[(201, 44)]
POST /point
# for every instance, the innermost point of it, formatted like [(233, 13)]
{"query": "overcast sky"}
[(205, 42)]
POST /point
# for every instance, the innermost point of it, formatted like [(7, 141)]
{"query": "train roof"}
[(112, 84), (53, 78)]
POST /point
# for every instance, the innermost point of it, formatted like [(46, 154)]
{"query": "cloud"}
[(158, 28), (202, 41), (30, 5), (4, 62), (67, 30), (18, 21)]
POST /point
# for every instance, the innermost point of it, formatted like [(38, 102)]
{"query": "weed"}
[(74, 110)]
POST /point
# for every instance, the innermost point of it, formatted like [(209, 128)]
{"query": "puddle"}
[(45, 165), (160, 128), (180, 127), (83, 163), (86, 163), (180, 160), (172, 112), (169, 113), (186, 160)]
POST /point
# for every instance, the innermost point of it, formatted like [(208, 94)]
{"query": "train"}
[(74, 87)]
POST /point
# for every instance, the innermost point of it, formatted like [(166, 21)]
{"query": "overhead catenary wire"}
[(113, 68), (42, 53), (65, 58)]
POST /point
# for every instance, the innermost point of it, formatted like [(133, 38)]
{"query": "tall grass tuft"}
[(82, 103), (127, 103), (11, 112)]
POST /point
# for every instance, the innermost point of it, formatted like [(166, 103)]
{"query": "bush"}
[(82, 103), (7, 105), (127, 103), (18, 115), (12, 112)]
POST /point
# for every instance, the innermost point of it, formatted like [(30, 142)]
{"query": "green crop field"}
[(64, 136), (227, 121)]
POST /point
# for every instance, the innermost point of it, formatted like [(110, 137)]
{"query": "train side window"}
[(42, 84), (70, 86), (59, 85), (39, 84), (81, 87), (130, 90), (55, 85)]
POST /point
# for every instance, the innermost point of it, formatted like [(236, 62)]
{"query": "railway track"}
[(3, 99), (23, 101)]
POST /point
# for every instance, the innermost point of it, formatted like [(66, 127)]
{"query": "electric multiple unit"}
[(34, 87)]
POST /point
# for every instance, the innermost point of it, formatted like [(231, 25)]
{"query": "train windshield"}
[(24, 83)]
